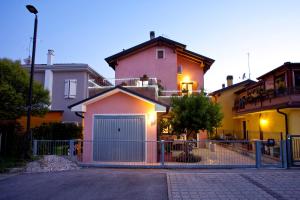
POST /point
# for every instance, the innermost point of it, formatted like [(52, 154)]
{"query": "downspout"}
[(79, 115), (288, 153), (286, 122)]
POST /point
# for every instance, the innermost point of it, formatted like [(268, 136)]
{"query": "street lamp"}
[(33, 10)]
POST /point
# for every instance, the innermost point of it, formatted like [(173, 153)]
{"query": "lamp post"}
[(34, 11)]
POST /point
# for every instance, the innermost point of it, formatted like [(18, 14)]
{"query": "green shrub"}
[(57, 131), (14, 143), (188, 158)]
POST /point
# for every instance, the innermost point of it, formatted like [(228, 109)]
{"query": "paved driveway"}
[(86, 184), (247, 184)]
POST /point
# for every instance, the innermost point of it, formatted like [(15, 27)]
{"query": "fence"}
[(167, 154)]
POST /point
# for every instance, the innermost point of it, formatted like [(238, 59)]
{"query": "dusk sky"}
[(89, 31)]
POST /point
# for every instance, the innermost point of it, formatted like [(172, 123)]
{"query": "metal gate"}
[(119, 138), (294, 141)]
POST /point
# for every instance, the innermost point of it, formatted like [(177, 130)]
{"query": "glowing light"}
[(186, 79), (152, 117), (263, 122)]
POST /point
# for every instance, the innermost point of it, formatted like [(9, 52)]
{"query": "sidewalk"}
[(247, 184)]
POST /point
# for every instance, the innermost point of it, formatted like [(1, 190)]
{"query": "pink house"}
[(123, 119)]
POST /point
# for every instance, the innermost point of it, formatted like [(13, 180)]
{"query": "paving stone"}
[(263, 185)]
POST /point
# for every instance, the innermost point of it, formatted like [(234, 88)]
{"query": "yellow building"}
[(226, 98), (267, 109)]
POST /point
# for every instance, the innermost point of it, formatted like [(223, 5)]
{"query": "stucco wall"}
[(145, 62), (59, 102), (120, 103), (192, 70)]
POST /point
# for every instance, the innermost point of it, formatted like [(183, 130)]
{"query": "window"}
[(280, 85), (160, 53), (187, 88), (297, 79), (70, 88)]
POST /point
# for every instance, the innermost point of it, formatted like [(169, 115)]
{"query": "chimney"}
[(50, 56), (152, 35), (27, 60), (229, 79), (223, 85)]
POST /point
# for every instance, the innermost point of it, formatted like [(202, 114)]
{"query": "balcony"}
[(139, 84), (267, 99)]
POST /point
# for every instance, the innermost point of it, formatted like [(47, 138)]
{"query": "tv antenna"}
[(248, 54)]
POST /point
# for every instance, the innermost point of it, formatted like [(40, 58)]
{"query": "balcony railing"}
[(172, 93), (267, 98), (132, 82)]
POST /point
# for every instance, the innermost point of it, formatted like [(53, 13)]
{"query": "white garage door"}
[(119, 138)]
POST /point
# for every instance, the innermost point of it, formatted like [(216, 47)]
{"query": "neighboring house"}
[(131, 111), (269, 108), (226, 98), (67, 83)]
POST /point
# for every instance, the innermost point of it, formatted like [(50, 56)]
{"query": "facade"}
[(226, 98), (165, 61), (67, 84), (146, 76), (269, 108)]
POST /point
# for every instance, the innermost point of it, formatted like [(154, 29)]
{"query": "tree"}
[(189, 114), (14, 87), (193, 113)]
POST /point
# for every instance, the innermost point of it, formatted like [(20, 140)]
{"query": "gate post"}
[(34, 147), (162, 156), (258, 154), (283, 154), (289, 150)]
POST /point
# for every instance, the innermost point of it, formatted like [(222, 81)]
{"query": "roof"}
[(123, 89), (246, 82), (65, 67), (112, 60), (285, 65)]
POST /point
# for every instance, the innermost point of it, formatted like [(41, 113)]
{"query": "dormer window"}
[(160, 53)]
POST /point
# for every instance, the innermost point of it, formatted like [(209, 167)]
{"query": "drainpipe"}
[(288, 153), (261, 136), (286, 122)]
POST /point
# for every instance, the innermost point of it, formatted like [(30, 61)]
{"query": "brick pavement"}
[(254, 185)]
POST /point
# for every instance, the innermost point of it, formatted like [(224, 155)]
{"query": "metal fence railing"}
[(166, 154)]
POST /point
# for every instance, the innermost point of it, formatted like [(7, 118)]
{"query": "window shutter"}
[(67, 88), (73, 86)]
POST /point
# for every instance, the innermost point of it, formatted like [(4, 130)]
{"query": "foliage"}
[(14, 87), (57, 131), (14, 143), (164, 126), (188, 157), (193, 113)]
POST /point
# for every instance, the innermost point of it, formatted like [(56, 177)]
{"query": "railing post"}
[(34, 147), (71, 147), (283, 154), (258, 154), (162, 156)]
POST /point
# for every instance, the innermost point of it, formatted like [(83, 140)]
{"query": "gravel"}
[(51, 163)]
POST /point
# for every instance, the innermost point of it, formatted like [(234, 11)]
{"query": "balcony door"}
[(187, 88)]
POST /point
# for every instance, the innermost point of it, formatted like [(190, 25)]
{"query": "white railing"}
[(132, 82), (171, 93)]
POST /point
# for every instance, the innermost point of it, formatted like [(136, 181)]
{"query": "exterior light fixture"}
[(263, 122)]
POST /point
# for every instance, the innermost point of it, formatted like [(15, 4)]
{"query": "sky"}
[(225, 30)]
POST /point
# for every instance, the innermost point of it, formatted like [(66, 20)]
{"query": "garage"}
[(119, 138)]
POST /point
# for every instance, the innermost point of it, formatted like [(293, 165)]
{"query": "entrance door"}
[(119, 138)]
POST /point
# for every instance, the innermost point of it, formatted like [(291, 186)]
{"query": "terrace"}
[(141, 83)]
